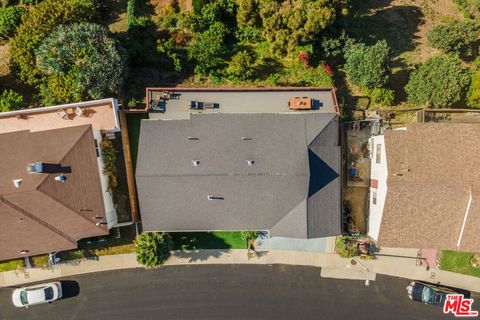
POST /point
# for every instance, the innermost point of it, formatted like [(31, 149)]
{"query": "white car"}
[(37, 294)]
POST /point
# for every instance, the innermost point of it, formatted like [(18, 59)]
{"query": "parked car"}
[(37, 294), (428, 293)]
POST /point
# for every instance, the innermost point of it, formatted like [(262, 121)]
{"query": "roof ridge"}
[(273, 174), (37, 219)]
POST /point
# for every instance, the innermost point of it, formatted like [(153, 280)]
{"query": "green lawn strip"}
[(207, 240), (10, 265), (458, 262), (133, 123)]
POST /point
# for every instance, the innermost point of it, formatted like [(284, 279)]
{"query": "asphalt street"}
[(224, 292)]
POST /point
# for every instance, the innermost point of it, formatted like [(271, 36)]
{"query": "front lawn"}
[(459, 262), (208, 240)]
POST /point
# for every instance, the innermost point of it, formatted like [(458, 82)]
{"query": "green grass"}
[(208, 240), (133, 123), (40, 261), (10, 265), (458, 262)]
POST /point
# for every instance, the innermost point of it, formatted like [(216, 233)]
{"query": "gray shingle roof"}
[(292, 189)]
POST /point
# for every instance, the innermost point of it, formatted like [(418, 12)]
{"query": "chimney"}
[(36, 167), (17, 183)]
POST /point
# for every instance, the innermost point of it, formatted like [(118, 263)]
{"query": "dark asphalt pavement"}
[(224, 292)]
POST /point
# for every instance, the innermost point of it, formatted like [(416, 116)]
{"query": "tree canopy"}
[(368, 66), (439, 82), (455, 37), (10, 101), (79, 61), (152, 248)]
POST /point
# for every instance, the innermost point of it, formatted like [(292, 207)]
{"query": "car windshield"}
[(48, 294), (426, 294), (23, 297)]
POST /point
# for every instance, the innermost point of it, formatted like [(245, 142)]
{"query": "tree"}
[(10, 100), (152, 248), (9, 19), (242, 66), (382, 96), (209, 50), (40, 20), (79, 61), (439, 82), (247, 13), (455, 37), (368, 66), (473, 95)]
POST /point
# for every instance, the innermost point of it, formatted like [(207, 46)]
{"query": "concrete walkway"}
[(394, 262)]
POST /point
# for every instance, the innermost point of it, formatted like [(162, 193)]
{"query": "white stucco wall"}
[(107, 198), (379, 172)]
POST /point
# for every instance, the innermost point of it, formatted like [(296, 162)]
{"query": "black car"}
[(428, 293)]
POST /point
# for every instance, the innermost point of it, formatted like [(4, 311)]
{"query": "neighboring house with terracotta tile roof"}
[(427, 192), (52, 189)]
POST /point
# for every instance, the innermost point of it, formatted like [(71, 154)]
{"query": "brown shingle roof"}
[(432, 171), (44, 215)]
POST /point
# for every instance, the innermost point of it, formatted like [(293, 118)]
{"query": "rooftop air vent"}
[(251, 162), (61, 178), (193, 138), (195, 163), (36, 167), (212, 197), (23, 251), (398, 174), (17, 183), (246, 138)]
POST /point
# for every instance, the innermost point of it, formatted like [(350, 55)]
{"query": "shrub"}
[(37, 24), (242, 66), (455, 37), (10, 100), (247, 13), (382, 96), (439, 82), (345, 248), (208, 50), (79, 61), (9, 19), (368, 66), (473, 95), (249, 235), (109, 156), (152, 248), (197, 5)]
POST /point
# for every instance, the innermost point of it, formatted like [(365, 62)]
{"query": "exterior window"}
[(374, 196), (378, 153), (96, 147)]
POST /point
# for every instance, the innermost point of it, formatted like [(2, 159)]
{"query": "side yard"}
[(460, 262)]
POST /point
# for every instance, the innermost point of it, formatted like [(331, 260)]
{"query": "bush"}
[(9, 19), (208, 50), (439, 82), (109, 156), (10, 101), (455, 37), (382, 96), (473, 95), (79, 62), (247, 13), (249, 235), (37, 24), (345, 248), (152, 248), (242, 66), (368, 66)]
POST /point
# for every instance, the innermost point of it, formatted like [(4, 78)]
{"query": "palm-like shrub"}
[(10, 100), (83, 60), (152, 248)]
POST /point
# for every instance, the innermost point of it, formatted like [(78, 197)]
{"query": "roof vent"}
[(398, 174), (36, 167), (251, 162), (195, 163), (61, 178), (23, 251), (193, 138), (212, 197), (17, 183), (246, 138)]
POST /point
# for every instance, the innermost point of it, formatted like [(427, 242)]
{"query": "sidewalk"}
[(332, 266)]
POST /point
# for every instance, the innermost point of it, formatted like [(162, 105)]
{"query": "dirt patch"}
[(357, 198), (116, 15)]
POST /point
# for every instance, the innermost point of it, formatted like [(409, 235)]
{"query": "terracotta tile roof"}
[(44, 215), (432, 173)]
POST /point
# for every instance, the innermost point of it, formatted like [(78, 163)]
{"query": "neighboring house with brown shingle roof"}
[(38, 212), (428, 192)]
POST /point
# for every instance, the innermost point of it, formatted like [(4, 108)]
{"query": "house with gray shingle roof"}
[(276, 172)]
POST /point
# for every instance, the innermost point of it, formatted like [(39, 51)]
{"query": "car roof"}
[(35, 296)]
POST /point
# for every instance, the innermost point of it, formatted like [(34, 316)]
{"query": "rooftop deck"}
[(242, 100), (101, 114)]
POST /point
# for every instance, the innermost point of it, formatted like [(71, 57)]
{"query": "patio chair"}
[(79, 112), (63, 114)]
